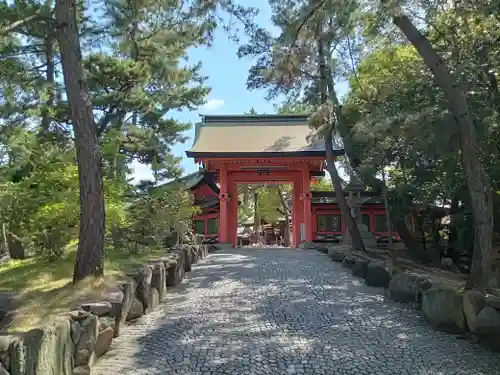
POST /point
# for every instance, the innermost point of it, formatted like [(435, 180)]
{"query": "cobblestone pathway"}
[(286, 312)]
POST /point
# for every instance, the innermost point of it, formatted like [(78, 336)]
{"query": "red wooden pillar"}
[(306, 199), (224, 206), (314, 222), (233, 211), (298, 211)]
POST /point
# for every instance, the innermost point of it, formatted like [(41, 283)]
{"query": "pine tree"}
[(299, 64), (90, 252), (146, 77)]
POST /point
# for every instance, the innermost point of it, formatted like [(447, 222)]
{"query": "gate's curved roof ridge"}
[(256, 135)]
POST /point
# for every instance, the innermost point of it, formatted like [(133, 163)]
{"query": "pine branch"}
[(38, 15)]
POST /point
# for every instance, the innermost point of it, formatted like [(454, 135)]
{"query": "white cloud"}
[(140, 172), (212, 105)]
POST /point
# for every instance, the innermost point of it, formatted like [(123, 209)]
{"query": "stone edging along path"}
[(73, 342), (444, 306)]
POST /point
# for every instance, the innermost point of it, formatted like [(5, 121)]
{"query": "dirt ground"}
[(404, 262)]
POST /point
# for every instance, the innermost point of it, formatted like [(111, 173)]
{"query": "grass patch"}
[(44, 289)]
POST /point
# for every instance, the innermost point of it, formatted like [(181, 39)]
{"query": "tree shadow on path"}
[(252, 311)]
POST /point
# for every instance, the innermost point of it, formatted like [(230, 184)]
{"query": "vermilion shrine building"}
[(266, 149)]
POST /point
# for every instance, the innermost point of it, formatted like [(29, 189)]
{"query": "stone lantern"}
[(355, 201)]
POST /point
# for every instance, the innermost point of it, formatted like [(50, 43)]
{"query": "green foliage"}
[(322, 184), (270, 203), (42, 208), (117, 215), (143, 78), (151, 215), (395, 122), (401, 124), (137, 74), (270, 206)]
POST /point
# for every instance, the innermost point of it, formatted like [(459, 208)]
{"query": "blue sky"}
[(227, 77)]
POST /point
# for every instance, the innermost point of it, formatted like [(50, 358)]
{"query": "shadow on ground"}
[(273, 311)]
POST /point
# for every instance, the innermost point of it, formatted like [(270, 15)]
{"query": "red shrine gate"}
[(260, 149)]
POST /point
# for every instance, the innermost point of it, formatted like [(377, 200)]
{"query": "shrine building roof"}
[(257, 136), (195, 179), (329, 197)]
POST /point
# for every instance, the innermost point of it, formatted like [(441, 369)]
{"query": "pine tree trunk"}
[(49, 78), (256, 216), (388, 219), (5, 253), (286, 232), (90, 253), (418, 220), (327, 90), (477, 181), (409, 240), (4, 245), (350, 223), (452, 251), (15, 246), (246, 197), (286, 211)]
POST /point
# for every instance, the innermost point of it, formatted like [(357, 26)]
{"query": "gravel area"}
[(286, 311)]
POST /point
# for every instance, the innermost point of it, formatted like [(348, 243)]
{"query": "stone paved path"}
[(286, 312)]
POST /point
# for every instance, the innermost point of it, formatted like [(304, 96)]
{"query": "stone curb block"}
[(75, 340), (444, 306)]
